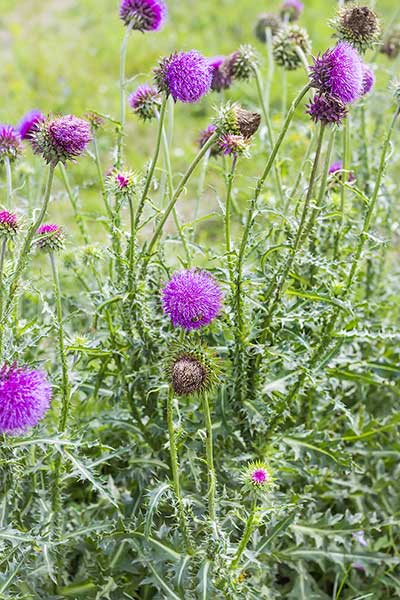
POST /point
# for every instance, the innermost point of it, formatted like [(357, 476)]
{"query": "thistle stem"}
[(346, 166), (100, 176), (170, 180), (7, 166), (2, 257), (269, 131), (74, 203), (175, 471), (228, 210), (246, 536), (202, 179), (132, 244), (173, 201), (271, 67), (153, 164), (23, 257), (122, 86), (211, 476)]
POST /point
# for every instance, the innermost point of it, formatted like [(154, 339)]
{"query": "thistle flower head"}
[(287, 44), (61, 139), (327, 109), (267, 21), (145, 102), (191, 369), (95, 120), (234, 144), (121, 183), (241, 64), (29, 122), (391, 42), (292, 9), (10, 143), (337, 167), (221, 80), (192, 299), (339, 71), (51, 237), (257, 477), (357, 25), (25, 397), (233, 119), (8, 224), (143, 15), (205, 135), (186, 76), (368, 81)]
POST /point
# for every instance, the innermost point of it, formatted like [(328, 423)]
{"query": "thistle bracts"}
[(267, 21), (10, 143), (192, 369), (241, 64), (357, 25), (288, 46), (61, 139), (51, 238), (8, 224)]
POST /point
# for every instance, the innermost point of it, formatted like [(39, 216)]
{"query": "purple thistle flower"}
[(28, 123), (292, 8), (8, 224), (145, 102), (10, 143), (339, 71), (186, 76), (257, 476), (192, 299), (25, 397), (121, 183), (368, 81), (205, 135), (61, 139), (144, 15), (327, 109), (233, 144), (336, 167), (52, 237), (221, 79)]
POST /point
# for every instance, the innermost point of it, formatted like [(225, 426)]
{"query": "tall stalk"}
[(9, 185), (122, 93), (147, 253), (228, 210), (2, 257), (175, 471), (74, 203), (211, 477), (326, 335), (248, 530), (271, 67), (23, 256), (346, 166)]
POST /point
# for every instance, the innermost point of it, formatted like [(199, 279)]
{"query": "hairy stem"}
[(228, 210), (346, 166), (210, 458), (175, 471), (2, 257), (246, 536), (9, 189)]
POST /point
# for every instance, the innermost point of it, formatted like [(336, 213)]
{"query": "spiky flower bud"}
[(10, 143), (51, 237), (395, 85), (357, 25), (291, 9), (288, 45), (61, 139), (8, 224), (95, 120), (145, 102), (257, 477), (29, 122), (267, 21), (327, 109), (232, 119), (121, 183), (391, 42), (241, 64), (192, 369)]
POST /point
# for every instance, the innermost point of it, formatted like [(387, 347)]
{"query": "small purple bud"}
[(143, 15)]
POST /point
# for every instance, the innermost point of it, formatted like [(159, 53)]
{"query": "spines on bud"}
[(51, 238), (8, 224), (257, 478), (192, 369), (242, 63), (235, 120), (357, 25), (10, 143), (267, 21), (288, 45), (145, 102)]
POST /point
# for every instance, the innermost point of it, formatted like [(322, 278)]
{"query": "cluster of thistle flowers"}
[(25, 393)]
